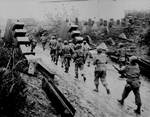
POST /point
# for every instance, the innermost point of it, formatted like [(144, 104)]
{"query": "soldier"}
[(122, 55), (53, 48), (62, 57), (133, 83), (44, 40), (59, 49), (67, 52), (79, 60), (85, 48), (71, 44), (89, 59), (100, 69), (33, 43)]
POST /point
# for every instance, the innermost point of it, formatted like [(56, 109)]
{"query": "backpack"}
[(80, 57), (67, 51)]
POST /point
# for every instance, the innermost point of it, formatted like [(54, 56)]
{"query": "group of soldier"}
[(79, 53), (69, 52)]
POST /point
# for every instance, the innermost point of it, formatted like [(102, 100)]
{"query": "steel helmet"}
[(59, 39), (53, 37), (84, 41), (132, 58), (99, 49), (70, 41), (65, 42)]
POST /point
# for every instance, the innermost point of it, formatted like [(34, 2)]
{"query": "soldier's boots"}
[(52, 58), (138, 110), (76, 76), (43, 48), (96, 90), (84, 78), (108, 91), (66, 69)]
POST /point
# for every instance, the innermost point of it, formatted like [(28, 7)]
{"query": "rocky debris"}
[(37, 103)]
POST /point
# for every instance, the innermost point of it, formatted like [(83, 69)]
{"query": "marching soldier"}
[(85, 48), (53, 48), (89, 59), (79, 60), (133, 83), (67, 52), (59, 49), (33, 43), (44, 41), (122, 55), (100, 69), (71, 44), (62, 56)]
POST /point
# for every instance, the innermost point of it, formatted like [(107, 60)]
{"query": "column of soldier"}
[(80, 55)]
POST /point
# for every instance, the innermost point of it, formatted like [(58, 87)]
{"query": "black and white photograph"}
[(74, 58)]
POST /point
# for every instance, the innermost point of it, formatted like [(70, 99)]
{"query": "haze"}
[(87, 9)]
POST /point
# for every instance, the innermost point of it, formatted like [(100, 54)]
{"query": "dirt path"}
[(92, 104)]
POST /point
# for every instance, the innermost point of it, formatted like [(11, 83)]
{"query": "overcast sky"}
[(92, 8)]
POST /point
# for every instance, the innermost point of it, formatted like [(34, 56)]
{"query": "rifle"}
[(119, 71)]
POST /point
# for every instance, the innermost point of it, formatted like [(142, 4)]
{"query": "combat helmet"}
[(53, 37), (84, 41), (99, 49), (65, 42), (59, 39), (133, 59)]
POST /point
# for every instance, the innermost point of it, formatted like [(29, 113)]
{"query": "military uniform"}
[(53, 49), (79, 60), (89, 58), (133, 84), (44, 41), (85, 48), (100, 70), (122, 56), (72, 45), (33, 44), (67, 53), (59, 50), (62, 57)]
